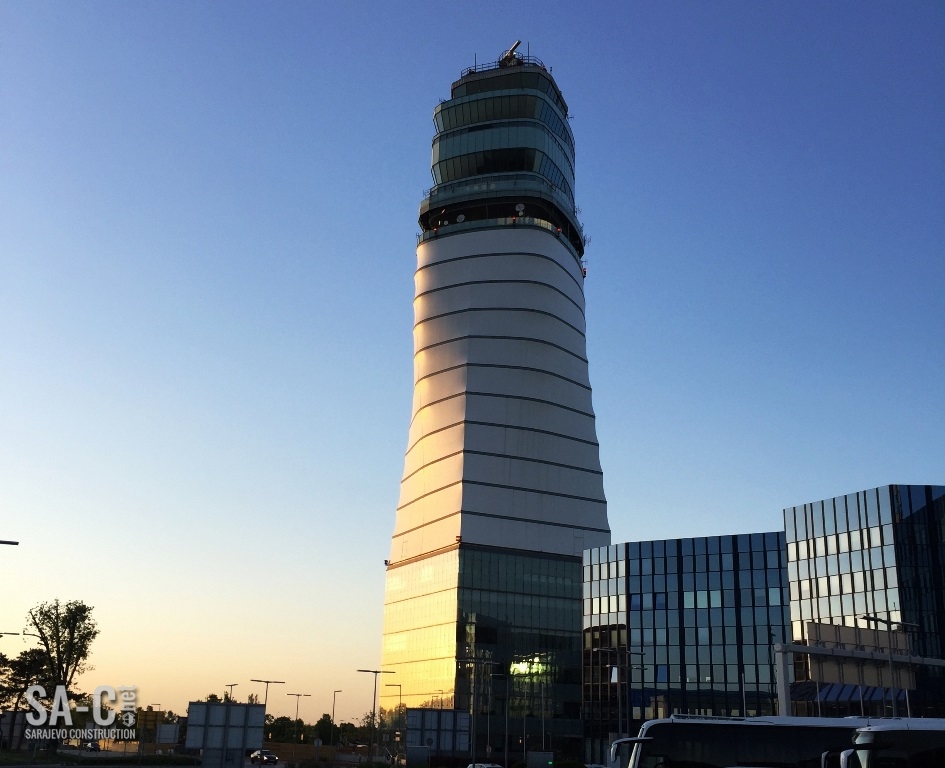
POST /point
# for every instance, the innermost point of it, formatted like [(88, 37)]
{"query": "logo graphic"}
[(56, 723)]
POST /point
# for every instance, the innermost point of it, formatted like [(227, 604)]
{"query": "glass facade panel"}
[(696, 663), (879, 547)]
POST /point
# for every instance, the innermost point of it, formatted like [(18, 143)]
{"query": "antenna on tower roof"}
[(509, 55)]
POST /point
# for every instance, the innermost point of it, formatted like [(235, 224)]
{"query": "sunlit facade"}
[(878, 552), (502, 487)]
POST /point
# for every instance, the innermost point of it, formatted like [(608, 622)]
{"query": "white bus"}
[(686, 741), (897, 743)]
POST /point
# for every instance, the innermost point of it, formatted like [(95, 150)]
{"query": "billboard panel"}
[(224, 731)]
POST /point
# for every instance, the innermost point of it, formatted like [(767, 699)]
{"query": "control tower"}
[(502, 487)]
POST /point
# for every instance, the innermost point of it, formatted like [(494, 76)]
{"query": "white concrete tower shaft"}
[(502, 448)]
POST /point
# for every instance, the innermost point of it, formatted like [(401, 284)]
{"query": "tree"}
[(18, 674), (253, 698), (347, 733), (323, 729), (66, 632), (281, 729)]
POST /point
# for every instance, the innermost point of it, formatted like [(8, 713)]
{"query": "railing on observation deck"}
[(505, 63), (523, 221)]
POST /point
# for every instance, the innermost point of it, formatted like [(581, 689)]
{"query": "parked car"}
[(263, 756), (91, 746), (483, 765)]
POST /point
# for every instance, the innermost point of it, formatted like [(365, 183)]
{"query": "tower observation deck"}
[(503, 151), (502, 487)]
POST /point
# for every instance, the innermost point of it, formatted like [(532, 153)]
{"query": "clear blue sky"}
[(207, 231)]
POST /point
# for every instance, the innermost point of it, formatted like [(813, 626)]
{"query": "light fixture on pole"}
[(889, 623), (617, 681), (400, 698), (474, 683), (11, 543), (331, 732), (231, 686), (295, 730), (267, 682), (374, 672), (489, 713)]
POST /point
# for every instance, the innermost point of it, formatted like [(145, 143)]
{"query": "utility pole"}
[(331, 732), (267, 682), (889, 623), (374, 672), (295, 729)]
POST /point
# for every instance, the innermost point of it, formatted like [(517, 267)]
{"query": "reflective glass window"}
[(885, 509)]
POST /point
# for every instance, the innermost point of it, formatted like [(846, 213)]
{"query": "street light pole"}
[(473, 703), (374, 672), (889, 623), (331, 732), (231, 686), (400, 697), (274, 682), (507, 675), (489, 713), (295, 729), (619, 693)]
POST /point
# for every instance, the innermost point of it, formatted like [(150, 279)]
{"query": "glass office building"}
[(871, 557), (502, 488), (680, 626)]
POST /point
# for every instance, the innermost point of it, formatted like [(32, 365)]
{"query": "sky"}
[(208, 220)]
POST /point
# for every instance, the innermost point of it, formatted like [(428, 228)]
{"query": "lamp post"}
[(267, 682), (619, 694), (889, 623), (489, 713), (441, 698), (473, 704), (331, 731), (400, 697), (613, 671), (231, 686), (507, 677), (374, 672), (295, 729), (11, 543)]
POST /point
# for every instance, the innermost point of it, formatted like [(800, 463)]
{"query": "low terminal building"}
[(693, 625)]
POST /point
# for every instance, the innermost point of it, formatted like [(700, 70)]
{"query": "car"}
[(91, 746), (263, 756), (483, 765)]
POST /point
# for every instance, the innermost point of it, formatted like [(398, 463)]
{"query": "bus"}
[(897, 743), (691, 741)]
